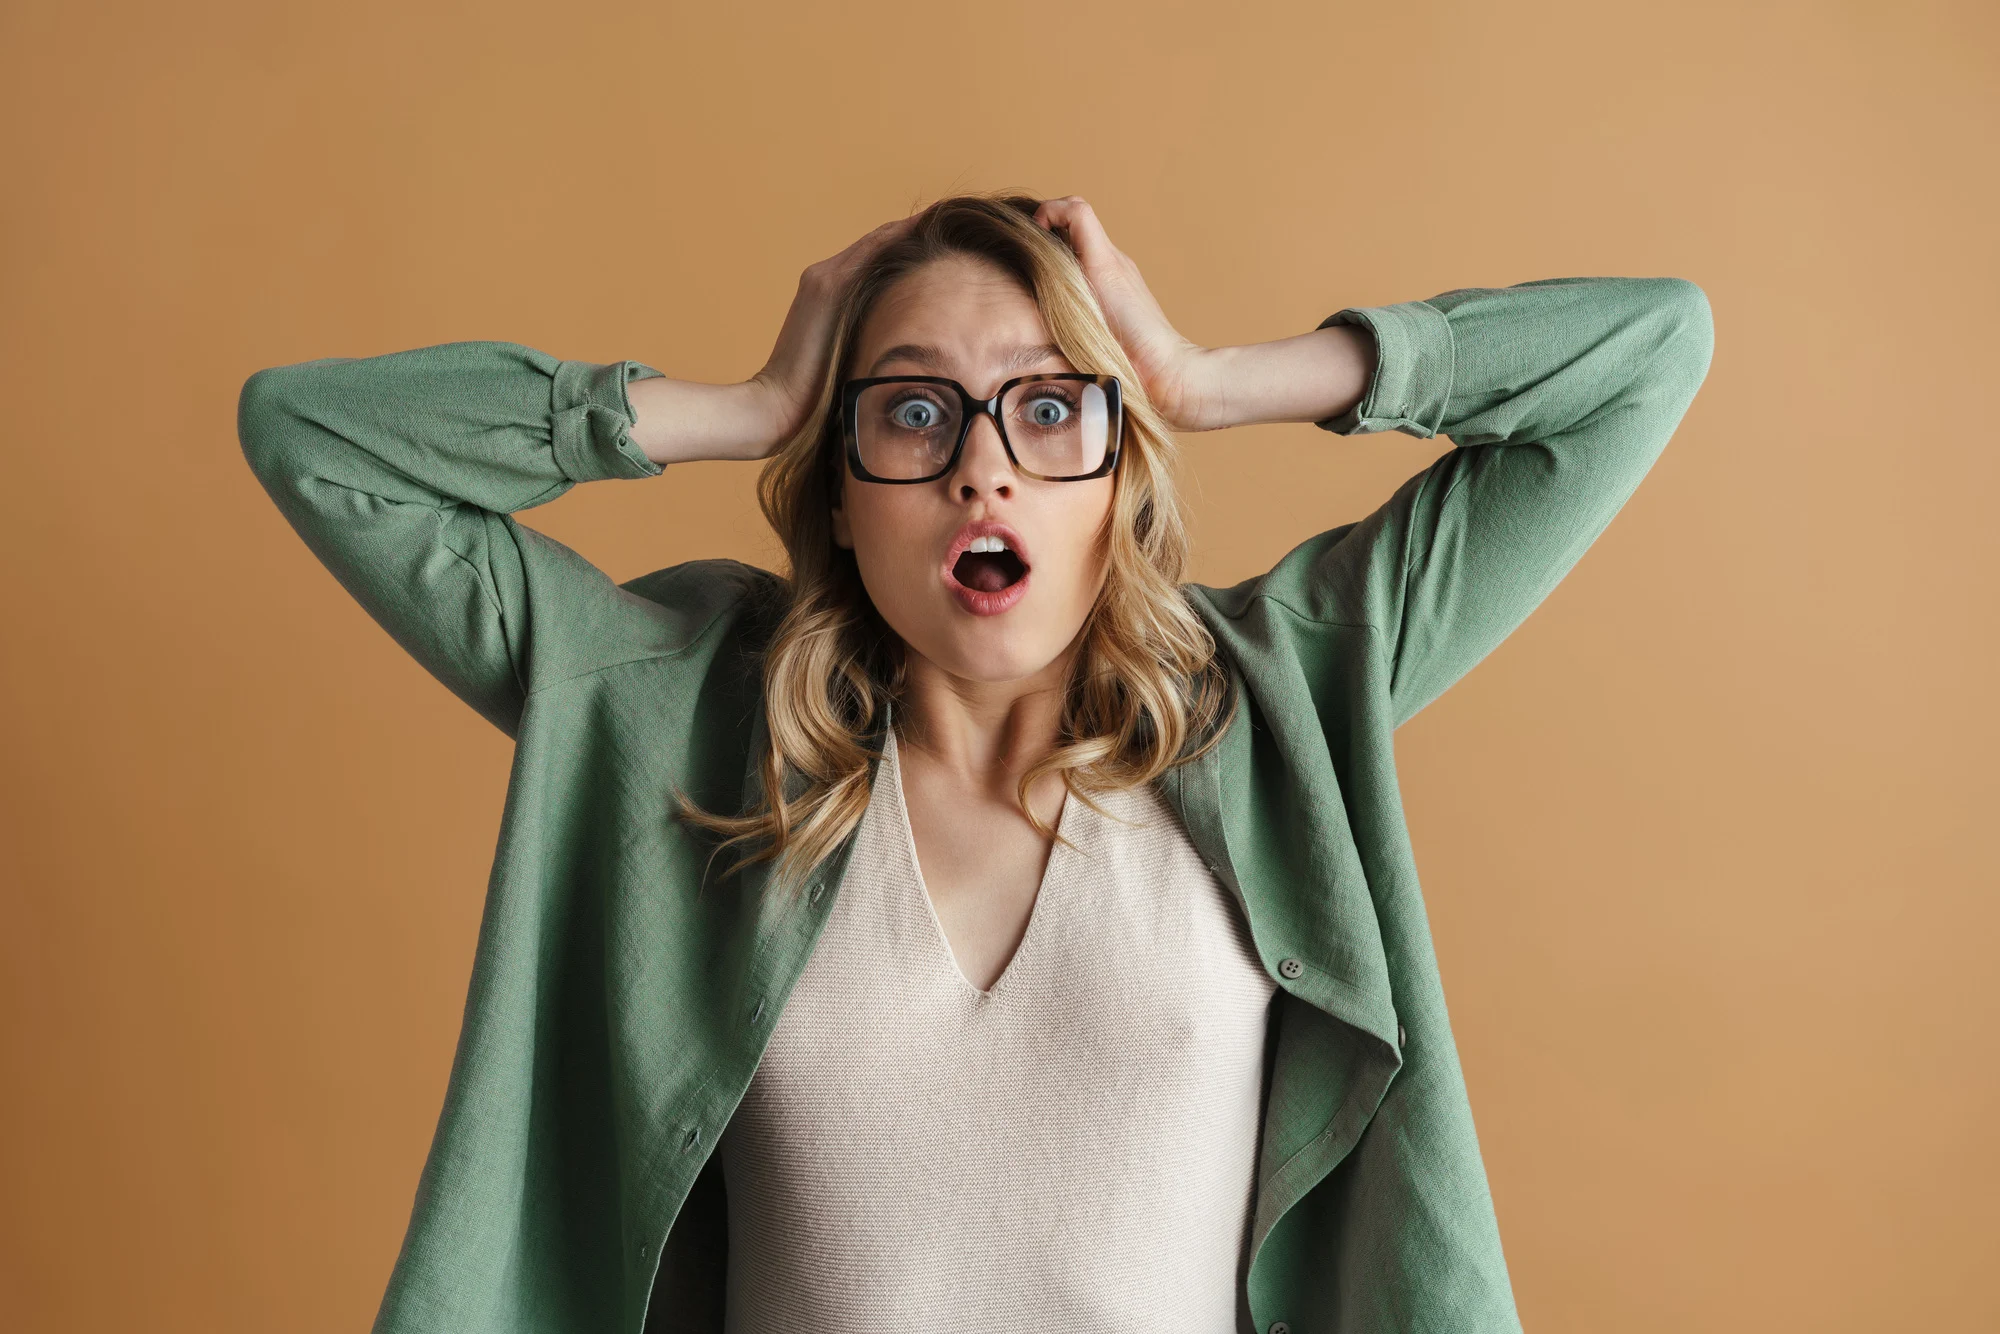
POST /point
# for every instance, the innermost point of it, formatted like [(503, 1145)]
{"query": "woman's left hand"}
[(1171, 368)]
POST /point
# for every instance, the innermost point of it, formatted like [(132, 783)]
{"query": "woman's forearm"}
[(1308, 378), (683, 421)]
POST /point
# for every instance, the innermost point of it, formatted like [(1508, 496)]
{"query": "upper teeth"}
[(981, 544)]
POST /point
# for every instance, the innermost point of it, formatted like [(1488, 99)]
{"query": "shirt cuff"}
[(590, 421), (1414, 361)]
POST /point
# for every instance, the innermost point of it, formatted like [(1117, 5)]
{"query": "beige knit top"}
[(1072, 1150)]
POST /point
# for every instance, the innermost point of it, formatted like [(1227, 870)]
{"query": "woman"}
[(979, 925)]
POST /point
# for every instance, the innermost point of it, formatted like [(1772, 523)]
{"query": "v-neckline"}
[(1035, 911)]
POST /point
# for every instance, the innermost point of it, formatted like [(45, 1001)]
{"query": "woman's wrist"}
[(1307, 378)]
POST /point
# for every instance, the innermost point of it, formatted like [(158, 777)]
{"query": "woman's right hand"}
[(792, 377), (679, 421)]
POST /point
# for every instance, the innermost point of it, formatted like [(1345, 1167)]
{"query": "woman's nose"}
[(983, 468)]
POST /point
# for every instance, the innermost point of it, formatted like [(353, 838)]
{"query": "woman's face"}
[(980, 616)]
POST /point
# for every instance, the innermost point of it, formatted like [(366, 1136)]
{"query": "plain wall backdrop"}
[(1707, 844)]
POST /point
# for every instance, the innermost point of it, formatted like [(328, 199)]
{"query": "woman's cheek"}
[(893, 577), (1085, 560), (912, 582)]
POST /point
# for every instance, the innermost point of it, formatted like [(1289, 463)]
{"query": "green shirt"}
[(621, 995)]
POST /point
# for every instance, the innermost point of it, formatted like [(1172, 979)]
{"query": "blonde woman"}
[(976, 926)]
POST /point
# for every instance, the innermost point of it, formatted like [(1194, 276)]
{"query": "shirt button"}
[(694, 1138), (1290, 967), (757, 1013), (819, 887), (1402, 1036), (1280, 1327)]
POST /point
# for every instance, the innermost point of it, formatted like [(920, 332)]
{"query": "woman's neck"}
[(983, 734)]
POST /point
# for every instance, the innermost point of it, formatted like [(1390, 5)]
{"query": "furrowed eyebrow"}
[(1025, 357), (927, 357), (933, 360)]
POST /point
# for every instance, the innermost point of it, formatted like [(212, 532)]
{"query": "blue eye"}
[(916, 415), (1047, 411)]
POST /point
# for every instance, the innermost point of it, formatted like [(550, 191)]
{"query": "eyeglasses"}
[(912, 428)]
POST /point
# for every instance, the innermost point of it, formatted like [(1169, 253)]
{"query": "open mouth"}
[(988, 571), (988, 574)]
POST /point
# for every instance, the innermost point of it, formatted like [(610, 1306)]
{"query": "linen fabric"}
[(621, 994)]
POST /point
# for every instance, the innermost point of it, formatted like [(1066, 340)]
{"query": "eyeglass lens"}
[(1057, 428)]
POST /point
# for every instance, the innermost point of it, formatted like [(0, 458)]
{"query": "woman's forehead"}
[(955, 315)]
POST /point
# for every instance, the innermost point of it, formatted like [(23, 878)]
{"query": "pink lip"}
[(974, 600)]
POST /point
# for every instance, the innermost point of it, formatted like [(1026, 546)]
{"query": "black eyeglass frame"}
[(971, 409)]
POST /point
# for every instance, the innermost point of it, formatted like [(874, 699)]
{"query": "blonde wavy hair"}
[(1147, 690)]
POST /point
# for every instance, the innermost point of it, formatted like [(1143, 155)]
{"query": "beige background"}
[(1707, 843)]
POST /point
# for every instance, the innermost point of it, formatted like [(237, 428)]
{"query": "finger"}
[(1077, 222), (893, 228), (1054, 214), (877, 237), (869, 244)]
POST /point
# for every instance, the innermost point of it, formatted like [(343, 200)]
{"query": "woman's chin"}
[(990, 652), (1015, 644)]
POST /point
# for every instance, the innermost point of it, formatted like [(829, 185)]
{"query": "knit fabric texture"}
[(1073, 1149)]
